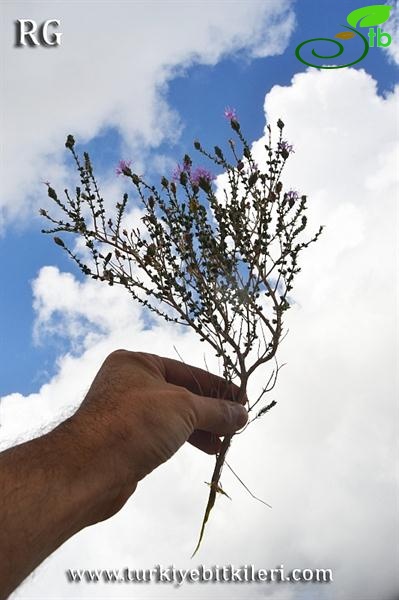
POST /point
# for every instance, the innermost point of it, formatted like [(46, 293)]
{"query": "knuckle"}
[(149, 362), (225, 413), (186, 397), (187, 403), (117, 354)]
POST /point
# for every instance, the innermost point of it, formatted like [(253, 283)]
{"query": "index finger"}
[(199, 381)]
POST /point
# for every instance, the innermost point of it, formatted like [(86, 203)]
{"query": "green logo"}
[(367, 16)]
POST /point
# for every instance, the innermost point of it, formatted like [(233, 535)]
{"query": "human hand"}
[(145, 407), (138, 411)]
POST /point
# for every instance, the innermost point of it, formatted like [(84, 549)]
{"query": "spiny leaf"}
[(369, 16), (266, 409)]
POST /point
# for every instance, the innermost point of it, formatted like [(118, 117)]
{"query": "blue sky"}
[(199, 96)]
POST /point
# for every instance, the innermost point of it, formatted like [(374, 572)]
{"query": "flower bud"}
[(70, 142)]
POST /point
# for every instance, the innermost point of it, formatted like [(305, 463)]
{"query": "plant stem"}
[(220, 460)]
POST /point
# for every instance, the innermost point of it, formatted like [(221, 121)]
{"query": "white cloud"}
[(392, 27), (324, 457), (112, 70)]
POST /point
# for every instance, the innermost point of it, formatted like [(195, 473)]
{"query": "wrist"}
[(100, 480), (52, 487)]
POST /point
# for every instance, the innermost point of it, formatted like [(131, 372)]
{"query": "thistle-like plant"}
[(222, 261)]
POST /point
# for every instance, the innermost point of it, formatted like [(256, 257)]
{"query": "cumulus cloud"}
[(392, 27), (112, 70), (324, 457)]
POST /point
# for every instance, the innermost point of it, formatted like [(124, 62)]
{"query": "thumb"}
[(218, 416)]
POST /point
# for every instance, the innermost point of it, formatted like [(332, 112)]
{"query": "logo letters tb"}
[(28, 33)]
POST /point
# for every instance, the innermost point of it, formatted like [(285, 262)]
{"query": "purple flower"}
[(251, 169), (292, 195), (123, 167), (284, 146), (230, 113), (196, 177), (201, 175), (179, 169)]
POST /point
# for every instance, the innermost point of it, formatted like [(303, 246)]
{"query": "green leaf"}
[(369, 16)]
